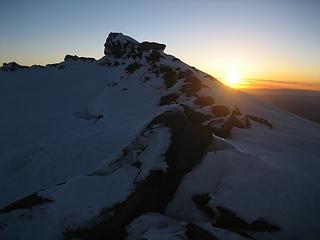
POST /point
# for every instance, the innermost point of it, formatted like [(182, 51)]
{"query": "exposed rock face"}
[(76, 58), (26, 203), (227, 219), (120, 46), (189, 142), (12, 66), (147, 46)]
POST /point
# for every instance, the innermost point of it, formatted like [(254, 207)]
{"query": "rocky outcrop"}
[(148, 46), (12, 66), (25, 203), (225, 218), (76, 58), (118, 45), (188, 145)]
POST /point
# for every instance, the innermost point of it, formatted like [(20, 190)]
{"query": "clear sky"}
[(256, 40)]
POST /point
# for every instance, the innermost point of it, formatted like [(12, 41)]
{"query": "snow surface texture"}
[(82, 140)]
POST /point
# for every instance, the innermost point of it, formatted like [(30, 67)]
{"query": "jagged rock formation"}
[(12, 66), (76, 58)]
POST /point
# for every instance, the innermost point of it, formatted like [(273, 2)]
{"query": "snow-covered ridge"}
[(140, 145)]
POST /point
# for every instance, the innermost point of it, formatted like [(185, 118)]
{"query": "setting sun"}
[(233, 79)]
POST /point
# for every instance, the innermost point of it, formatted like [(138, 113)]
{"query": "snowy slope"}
[(139, 145)]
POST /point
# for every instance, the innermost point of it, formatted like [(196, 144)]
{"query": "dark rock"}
[(236, 111), (26, 203), (12, 66), (201, 201), (185, 74), (194, 116), (229, 220), (259, 120), (97, 118), (220, 110), (188, 145), (120, 46), (153, 57), (133, 67), (194, 232), (116, 64), (210, 77), (195, 69), (263, 225), (147, 46), (136, 164), (54, 65), (76, 58), (84, 115), (146, 79), (192, 85), (137, 55), (168, 99), (225, 129), (204, 101), (169, 75)]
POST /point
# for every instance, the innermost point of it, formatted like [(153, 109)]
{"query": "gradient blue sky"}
[(261, 39)]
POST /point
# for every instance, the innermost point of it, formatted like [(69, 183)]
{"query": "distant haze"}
[(305, 104)]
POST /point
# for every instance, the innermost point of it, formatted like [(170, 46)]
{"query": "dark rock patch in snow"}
[(76, 58), (192, 85), (87, 116), (229, 219), (210, 77), (236, 111), (225, 218), (12, 66), (225, 130), (147, 46), (120, 46), (204, 101), (220, 110), (133, 67), (26, 203), (184, 74), (195, 232), (188, 144), (201, 201), (197, 71), (153, 57), (194, 116), (168, 99), (259, 120), (169, 75)]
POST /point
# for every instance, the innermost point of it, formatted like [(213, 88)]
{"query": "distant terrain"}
[(303, 103)]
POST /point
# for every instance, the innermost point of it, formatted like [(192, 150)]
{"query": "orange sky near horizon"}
[(261, 44), (272, 84), (269, 74)]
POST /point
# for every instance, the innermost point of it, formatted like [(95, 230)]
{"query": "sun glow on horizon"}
[(233, 79)]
